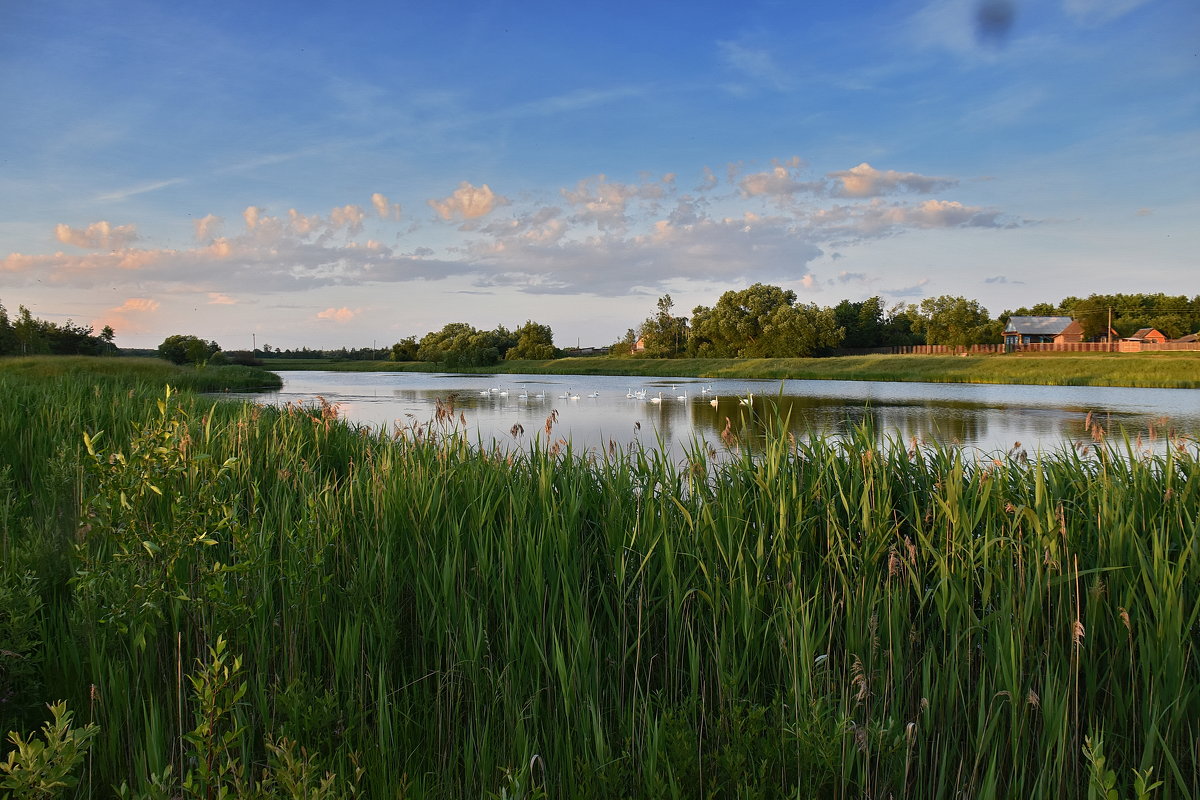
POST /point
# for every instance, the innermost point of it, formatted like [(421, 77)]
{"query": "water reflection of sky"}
[(678, 411)]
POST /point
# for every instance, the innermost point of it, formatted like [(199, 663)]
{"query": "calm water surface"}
[(596, 410)]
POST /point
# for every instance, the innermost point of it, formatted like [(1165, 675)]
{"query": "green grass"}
[(1174, 370), (150, 371), (837, 618)]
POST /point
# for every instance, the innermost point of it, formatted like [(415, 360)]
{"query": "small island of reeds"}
[(234, 600)]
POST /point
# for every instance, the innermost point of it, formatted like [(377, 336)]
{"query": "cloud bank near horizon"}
[(601, 237)]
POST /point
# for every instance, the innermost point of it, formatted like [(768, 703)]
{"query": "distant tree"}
[(624, 346), (954, 321), (9, 344), (863, 322), (404, 350), (28, 335), (107, 338), (1036, 310), (461, 345), (1173, 315), (534, 341), (28, 331), (664, 334), (187, 349), (762, 321)]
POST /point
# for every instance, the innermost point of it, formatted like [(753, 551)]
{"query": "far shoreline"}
[(1164, 370)]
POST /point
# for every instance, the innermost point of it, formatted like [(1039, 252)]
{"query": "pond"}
[(599, 411)]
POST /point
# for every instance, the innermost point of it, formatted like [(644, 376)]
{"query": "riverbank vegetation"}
[(765, 321), (236, 600), (144, 372), (1174, 370)]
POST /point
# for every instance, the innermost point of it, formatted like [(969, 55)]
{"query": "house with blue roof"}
[(1042, 330)]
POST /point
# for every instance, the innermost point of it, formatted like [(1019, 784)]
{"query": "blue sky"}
[(360, 173)]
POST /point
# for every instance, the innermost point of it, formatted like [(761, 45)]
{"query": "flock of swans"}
[(643, 395)]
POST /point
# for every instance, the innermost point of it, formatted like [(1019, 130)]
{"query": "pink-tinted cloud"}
[(97, 236), (342, 314), (138, 305), (468, 202), (384, 208), (219, 299), (207, 227), (866, 181)]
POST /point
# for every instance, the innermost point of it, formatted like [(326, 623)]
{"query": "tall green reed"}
[(825, 618)]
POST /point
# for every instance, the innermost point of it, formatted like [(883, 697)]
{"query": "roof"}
[(1051, 326), (1142, 333)]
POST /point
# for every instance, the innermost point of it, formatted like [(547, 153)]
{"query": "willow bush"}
[(245, 599)]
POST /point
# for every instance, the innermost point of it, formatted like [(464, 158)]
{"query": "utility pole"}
[(1108, 333)]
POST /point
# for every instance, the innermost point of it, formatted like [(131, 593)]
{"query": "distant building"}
[(1191, 338), (1148, 335), (1042, 330)]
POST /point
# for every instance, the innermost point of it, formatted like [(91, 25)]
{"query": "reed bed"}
[(244, 599)]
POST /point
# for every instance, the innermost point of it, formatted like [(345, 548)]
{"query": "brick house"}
[(1152, 335)]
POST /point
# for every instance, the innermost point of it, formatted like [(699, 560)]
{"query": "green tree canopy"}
[(534, 341), (461, 345), (954, 321), (1173, 315), (404, 350), (762, 321), (187, 349), (28, 335)]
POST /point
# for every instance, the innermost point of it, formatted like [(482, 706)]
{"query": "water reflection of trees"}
[(592, 423), (928, 422)]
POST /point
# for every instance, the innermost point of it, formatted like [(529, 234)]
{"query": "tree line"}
[(761, 321), (28, 335), (765, 321)]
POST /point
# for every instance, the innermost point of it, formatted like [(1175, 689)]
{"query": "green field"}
[(242, 599), (1173, 370)]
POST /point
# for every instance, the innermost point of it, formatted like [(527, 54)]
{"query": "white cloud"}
[(468, 202), (779, 183), (604, 203), (348, 217), (219, 299), (878, 218), (302, 224), (251, 215), (866, 181), (97, 236), (750, 247)]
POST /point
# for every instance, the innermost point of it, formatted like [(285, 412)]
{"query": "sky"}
[(347, 175)]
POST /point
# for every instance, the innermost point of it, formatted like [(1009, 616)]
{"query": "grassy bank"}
[(236, 594), (1174, 370), (141, 371)]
